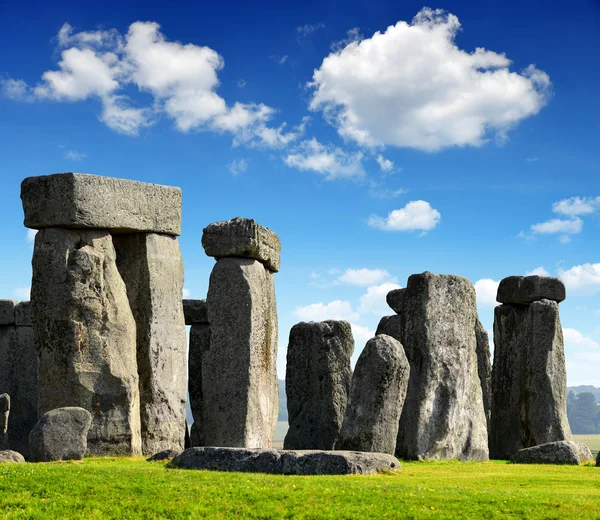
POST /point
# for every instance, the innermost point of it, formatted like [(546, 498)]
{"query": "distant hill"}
[(586, 388)]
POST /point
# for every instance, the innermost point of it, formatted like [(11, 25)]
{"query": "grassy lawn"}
[(133, 488)]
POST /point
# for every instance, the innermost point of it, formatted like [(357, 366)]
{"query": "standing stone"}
[(7, 312), (199, 345), (317, 383), (19, 379), (443, 415), (60, 434), (239, 372), (394, 299), (86, 336), (376, 398), (529, 405), (4, 412), (152, 269), (484, 369)]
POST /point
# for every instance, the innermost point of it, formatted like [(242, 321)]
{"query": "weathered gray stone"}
[(85, 335), (4, 413), (285, 462), (60, 434), (23, 314), (19, 379), (75, 200), (317, 383), (199, 345), (164, 455), (242, 237), (394, 299), (443, 415), (195, 312), (391, 326), (598, 459), (239, 372), (529, 383), (152, 269), (484, 369), (527, 289), (376, 397), (11, 456), (559, 452), (7, 312)]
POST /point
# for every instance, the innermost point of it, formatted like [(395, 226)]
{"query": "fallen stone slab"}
[(23, 314), (242, 237), (195, 312), (60, 434), (286, 462), (11, 456), (7, 312), (164, 455), (522, 290), (77, 200), (560, 452), (394, 299)]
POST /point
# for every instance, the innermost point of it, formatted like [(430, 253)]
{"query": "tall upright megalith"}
[(239, 371), (4, 413), (317, 383), (106, 307), (443, 415), (529, 380)]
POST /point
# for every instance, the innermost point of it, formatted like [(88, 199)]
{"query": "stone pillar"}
[(529, 380), (317, 383), (239, 371), (196, 315), (443, 415), (152, 268), (484, 368), (376, 398), (4, 413), (18, 371), (90, 346)]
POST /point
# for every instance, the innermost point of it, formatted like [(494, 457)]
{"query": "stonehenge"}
[(443, 415), (239, 373), (18, 372), (317, 383), (529, 380), (107, 307), (4, 413)]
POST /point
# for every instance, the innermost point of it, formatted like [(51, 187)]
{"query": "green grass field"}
[(134, 488)]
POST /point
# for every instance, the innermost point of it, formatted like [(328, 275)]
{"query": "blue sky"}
[(378, 139)]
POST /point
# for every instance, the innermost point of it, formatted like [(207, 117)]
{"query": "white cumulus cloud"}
[(577, 206), (417, 215), (385, 164), (571, 226), (364, 277), (583, 278), (374, 302), (539, 271), (335, 310), (486, 290), (412, 86)]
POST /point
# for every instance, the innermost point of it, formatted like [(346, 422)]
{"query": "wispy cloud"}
[(74, 155), (238, 166)]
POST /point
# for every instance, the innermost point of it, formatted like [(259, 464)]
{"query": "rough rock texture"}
[(376, 397), (484, 369), (317, 383), (559, 452), (19, 379), (199, 344), (7, 312), (4, 413), (239, 372), (164, 455), (76, 200), (286, 462), (11, 456), (443, 415), (152, 269), (242, 237), (23, 314), (85, 334), (60, 434), (598, 459), (394, 299), (527, 289), (529, 380), (391, 326), (195, 311)]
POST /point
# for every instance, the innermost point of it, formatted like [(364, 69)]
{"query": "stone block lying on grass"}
[(286, 462), (560, 452), (164, 455), (11, 456)]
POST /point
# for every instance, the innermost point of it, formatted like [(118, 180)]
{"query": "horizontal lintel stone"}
[(523, 290), (77, 200)]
